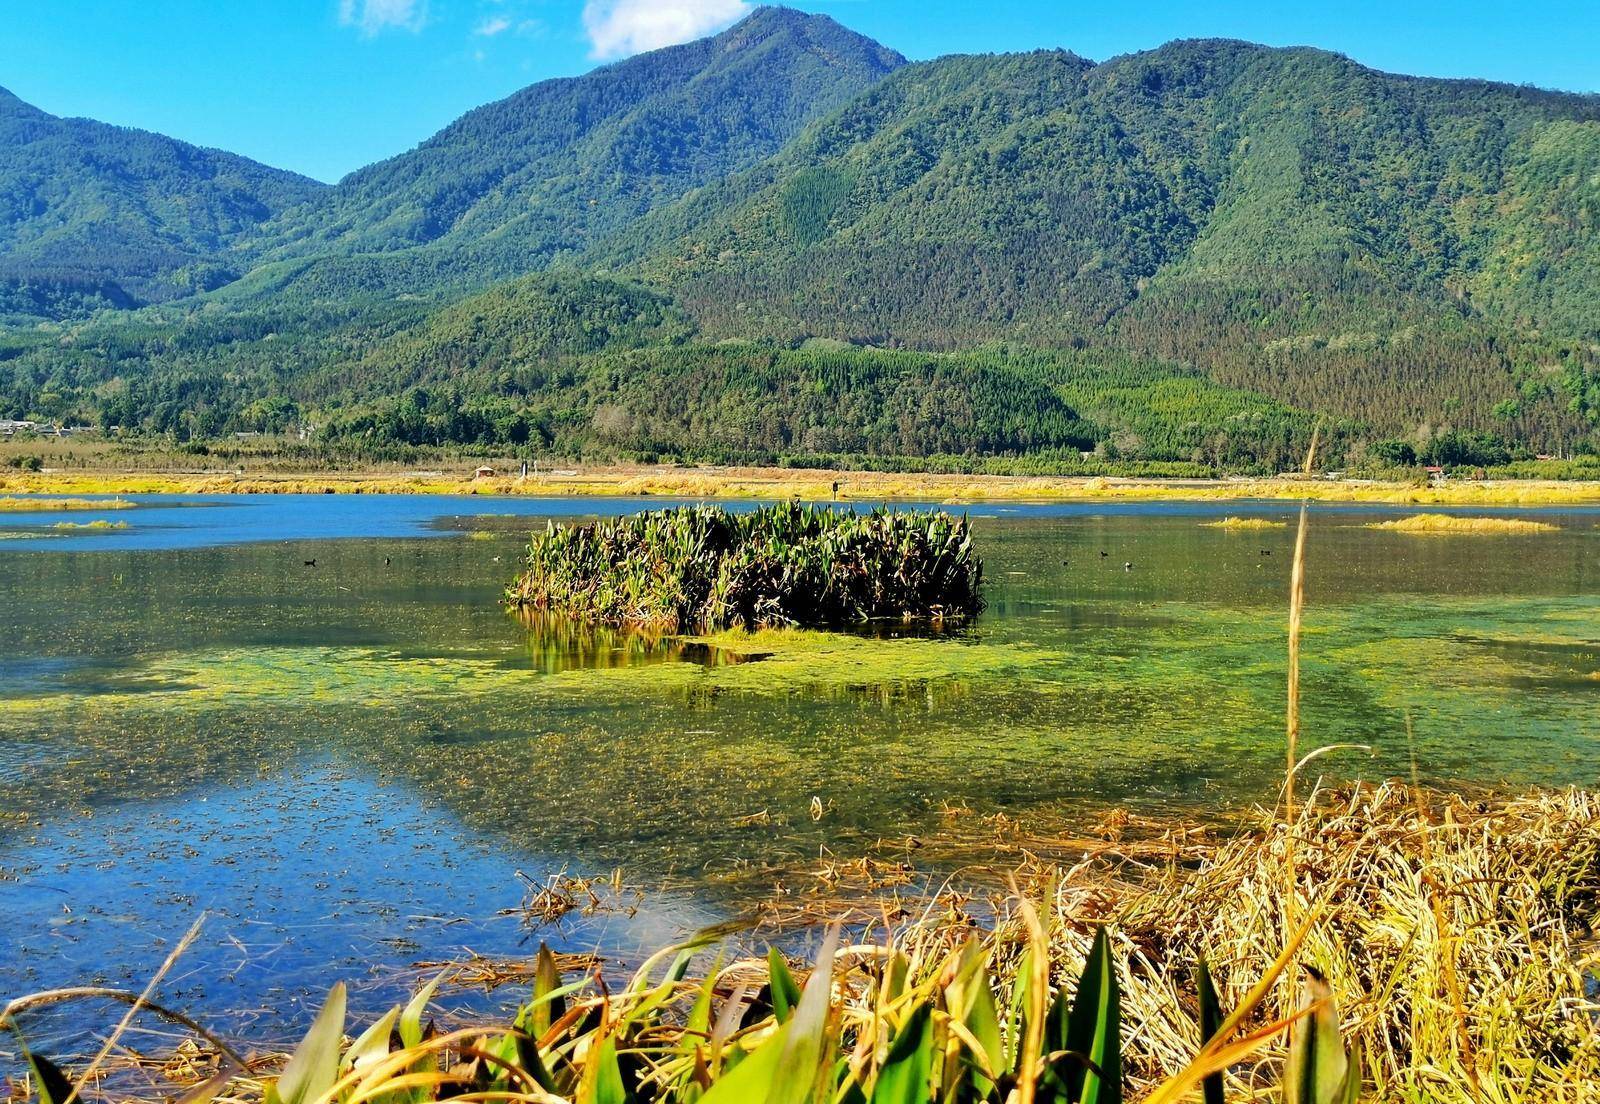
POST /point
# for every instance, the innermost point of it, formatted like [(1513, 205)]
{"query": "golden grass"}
[(1444, 523), (1455, 930), (99, 525), (13, 504), (811, 485), (1246, 523)]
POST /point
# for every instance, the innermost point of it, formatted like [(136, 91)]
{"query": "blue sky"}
[(325, 86)]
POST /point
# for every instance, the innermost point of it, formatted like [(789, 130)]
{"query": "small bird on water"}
[(1127, 565), (310, 563)]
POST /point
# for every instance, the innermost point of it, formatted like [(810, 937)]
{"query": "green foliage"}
[(702, 568), (875, 1034), (1340, 239), (1210, 239), (95, 216), (1319, 1069), (541, 175)]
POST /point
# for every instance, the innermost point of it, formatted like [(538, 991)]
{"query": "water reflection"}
[(556, 644)]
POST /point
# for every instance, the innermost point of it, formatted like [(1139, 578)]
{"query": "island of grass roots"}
[(704, 569)]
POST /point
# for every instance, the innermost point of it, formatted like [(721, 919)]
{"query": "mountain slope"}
[(1417, 256), (98, 215), (564, 163), (1214, 202)]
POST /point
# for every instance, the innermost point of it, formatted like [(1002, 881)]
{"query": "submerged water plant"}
[(703, 568)]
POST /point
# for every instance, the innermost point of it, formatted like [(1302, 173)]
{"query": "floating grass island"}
[(1444, 523), (1242, 523), (99, 526), (705, 569), (17, 504)]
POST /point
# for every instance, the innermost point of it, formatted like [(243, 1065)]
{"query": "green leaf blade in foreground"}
[(904, 1078), (1318, 1070), (1094, 1027), (314, 1067), (1210, 1023)]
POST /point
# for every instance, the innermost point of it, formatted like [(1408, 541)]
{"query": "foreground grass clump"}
[(1443, 941), (1444, 523), (703, 568), (1246, 523), (15, 504)]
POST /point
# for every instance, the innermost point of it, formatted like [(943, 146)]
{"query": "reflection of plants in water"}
[(556, 644)]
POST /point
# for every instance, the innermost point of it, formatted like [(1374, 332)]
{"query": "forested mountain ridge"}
[(1187, 254), (93, 215), (563, 163), (1224, 204)]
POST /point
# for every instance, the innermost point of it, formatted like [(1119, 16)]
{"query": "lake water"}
[(361, 764)]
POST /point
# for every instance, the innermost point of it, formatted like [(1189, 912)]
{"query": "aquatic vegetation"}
[(1445, 941), (16, 504), (774, 662), (703, 568), (100, 525), (1445, 523), (1245, 523)]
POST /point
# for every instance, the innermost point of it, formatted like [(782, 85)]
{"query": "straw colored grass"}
[(1455, 932), (99, 525), (1446, 524), (811, 485), (1246, 523), (15, 504)]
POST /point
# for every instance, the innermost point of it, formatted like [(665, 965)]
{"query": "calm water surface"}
[(360, 765)]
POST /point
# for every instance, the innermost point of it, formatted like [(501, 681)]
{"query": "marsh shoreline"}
[(816, 485)]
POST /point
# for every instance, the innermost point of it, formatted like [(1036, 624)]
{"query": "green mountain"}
[(784, 241), (1385, 247), (549, 171), (93, 215)]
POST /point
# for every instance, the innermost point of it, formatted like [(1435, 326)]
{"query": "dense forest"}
[(95, 216), (785, 241)]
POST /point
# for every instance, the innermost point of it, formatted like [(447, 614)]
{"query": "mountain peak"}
[(812, 29), (12, 104)]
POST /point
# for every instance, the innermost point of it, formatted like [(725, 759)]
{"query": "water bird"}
[(1266, 551), (1127, 565), (1104, 554), (310, 563)]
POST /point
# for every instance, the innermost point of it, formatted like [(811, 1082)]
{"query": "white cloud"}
[(373, 16), (618, 28), (491, 27)]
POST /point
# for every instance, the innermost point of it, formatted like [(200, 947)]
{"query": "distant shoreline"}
[(806, 484)]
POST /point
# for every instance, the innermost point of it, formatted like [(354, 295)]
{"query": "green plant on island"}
[(703, 568)]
